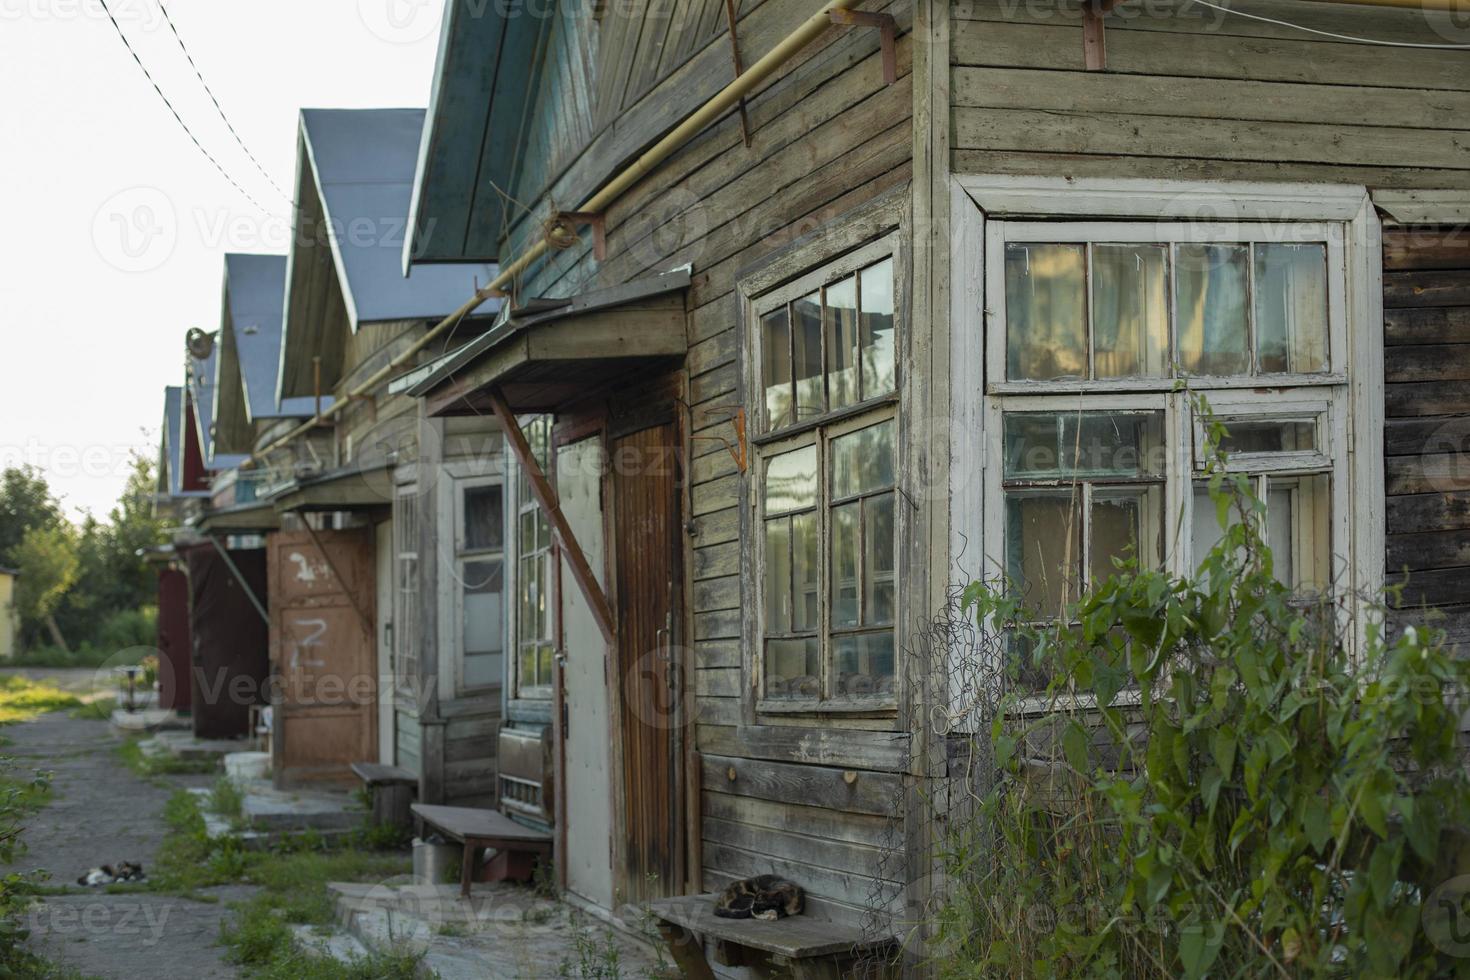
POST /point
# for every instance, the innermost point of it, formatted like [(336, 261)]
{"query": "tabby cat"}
[(767, 897)]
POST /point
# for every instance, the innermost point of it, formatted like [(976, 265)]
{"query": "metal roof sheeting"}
[(171, 448), (203, 375), (363, 162), (255, 287)]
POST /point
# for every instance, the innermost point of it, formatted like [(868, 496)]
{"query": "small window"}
[(406, 589), (480, 564), (534, 609), (826, 492)]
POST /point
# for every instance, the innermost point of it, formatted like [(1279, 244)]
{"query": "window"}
[(406, 592), (826, 495), (1099, 333), (534, 611), (480, 567)]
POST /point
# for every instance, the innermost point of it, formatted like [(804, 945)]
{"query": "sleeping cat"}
[(767, 897), (108, 875)]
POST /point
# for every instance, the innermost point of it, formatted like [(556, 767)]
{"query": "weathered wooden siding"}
[(827, 136), (1426, 366), (1195, 93)]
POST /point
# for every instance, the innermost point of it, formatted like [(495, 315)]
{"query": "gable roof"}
[(354, 184), (250, 343), (202, 378), (173, 445)]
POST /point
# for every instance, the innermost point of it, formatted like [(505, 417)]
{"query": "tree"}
[(47, 561), (26, 502)]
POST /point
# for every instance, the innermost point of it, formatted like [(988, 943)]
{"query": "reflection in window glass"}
[(863, 460), (776, 367), (806, 330), (484, 621), (878, 560), (840, 313), (483, 521), (1248, 435), (864, 665), (876, 286), (1297, 528), (846, 546), (1210, 296), (1291, 308), (791, 480), (777, 586), (1046, 312), (793, 669), (1125, 522), (1067, 445), (1130, 311), (1044, 548)]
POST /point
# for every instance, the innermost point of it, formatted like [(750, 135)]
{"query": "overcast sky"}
[(115, 225)]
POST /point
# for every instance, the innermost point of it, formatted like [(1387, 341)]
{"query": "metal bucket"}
[(435, 863)]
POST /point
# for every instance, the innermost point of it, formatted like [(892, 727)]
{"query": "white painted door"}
[(588, 784), (383, 561)]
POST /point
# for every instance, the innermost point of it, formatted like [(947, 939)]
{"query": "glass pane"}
[(845, 564), (864, 665), (776, 367), (1130, 311), (805, 572), (543, 663), (806, 329), (1206, 531), (1298, 531), (842, 343), (529, 526), (1046, 312), (1126, 522), (778, 576), (878, 563), (791, 481), (484, 529), (1291, 308), (1210, 293), (877, 328), (532, 602), (862, 461), (792, 669), (1269, 435), (1044, 548), (1069, 445), (526, 665), (484, 620)]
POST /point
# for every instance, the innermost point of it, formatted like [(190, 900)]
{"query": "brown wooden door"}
[(647, 569), (322, 654)]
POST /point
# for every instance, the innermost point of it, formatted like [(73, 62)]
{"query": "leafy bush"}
[(1211, 784), (127, 630)]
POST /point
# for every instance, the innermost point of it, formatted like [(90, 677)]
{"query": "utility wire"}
[(218, 108), (154, 82), (1339, 37)]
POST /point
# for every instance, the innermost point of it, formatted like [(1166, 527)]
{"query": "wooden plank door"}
[(647, 568), (323, 654), (587, 769)]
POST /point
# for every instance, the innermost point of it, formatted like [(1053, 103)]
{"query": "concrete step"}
[(332, 943)]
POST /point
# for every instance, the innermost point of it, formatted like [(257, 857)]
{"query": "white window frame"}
[(462, 556), (407, 506), (517, 504), (1352, 388), (820, 431)]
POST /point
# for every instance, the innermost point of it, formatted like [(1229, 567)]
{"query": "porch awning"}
[(550, 352), (251, 518), (366, 487)]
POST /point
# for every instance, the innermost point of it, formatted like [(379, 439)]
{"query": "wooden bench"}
[(804, 946), (392, 790), (475, 828)]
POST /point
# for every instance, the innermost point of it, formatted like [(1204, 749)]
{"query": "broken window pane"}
[(842, 343), (791, 481), (1210, 297), (1046, 312), (877, 335), (1044, 547), (1125, 522), (776, 367), (1130, 311), (1291, 307), (806, 329)]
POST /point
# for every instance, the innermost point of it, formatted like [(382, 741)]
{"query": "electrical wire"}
[(1338, 37), (218, 108), (180, 119)]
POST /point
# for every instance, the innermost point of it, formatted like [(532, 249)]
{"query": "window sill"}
[(872, 708)]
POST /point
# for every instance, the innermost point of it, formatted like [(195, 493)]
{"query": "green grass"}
[(148, 766), (226, 799), (100, 709), (22, 699)]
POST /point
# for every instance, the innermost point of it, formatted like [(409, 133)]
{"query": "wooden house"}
[(350, 491), (9, 618), (796, 286)]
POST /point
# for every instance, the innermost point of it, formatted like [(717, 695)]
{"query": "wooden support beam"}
[(739, 68), (1094, 42), (546, 497), (887, 35), (362, 617)]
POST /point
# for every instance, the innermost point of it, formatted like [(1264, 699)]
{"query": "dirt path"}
[(101, 813)]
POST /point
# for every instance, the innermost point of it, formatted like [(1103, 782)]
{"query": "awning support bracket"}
[(887, 35), (736, 449), (1094, 43), (546, 497), (235, 571), (564, 224)]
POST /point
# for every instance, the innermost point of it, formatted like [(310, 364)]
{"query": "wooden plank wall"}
[(828, 136), (1426, 367), (1195, 93)]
